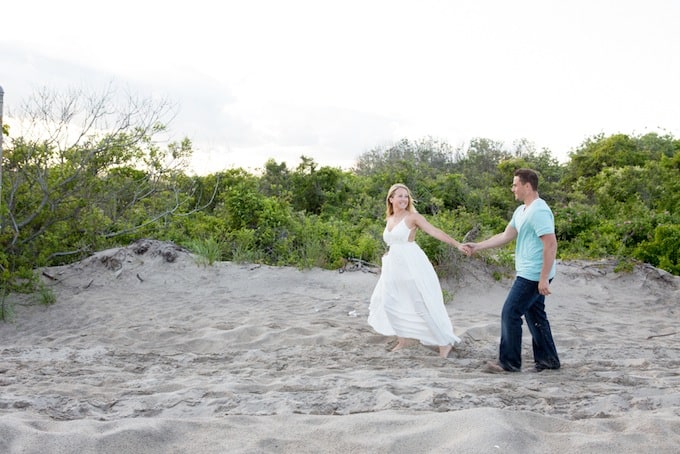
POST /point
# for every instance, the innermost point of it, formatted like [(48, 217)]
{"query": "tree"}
[(413, 163), (85, 172), (615, 151)]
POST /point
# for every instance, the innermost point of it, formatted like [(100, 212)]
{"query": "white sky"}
[(260, 79)]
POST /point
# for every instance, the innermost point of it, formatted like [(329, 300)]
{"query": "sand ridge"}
[(148, 351)]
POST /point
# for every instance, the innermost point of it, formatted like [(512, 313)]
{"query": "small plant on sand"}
[(625, 265), (448, 296), (207, 251), (45, 294), (6, 308)]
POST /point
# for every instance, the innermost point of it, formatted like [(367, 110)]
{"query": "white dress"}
[(407, 300)]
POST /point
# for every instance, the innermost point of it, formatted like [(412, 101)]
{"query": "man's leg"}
[(522, 295), (545, 353)]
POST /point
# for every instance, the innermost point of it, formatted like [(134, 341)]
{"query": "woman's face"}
[(399, 199)]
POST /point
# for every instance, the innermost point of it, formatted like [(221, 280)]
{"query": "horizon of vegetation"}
[(65, 196)]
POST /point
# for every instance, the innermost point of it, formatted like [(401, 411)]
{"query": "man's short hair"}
[(528, 176)]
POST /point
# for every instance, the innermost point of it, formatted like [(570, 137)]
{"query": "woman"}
[(407, 300)]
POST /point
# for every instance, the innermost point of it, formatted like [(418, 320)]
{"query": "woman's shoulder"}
[(413, 219)]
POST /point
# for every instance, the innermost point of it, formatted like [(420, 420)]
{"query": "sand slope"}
[(146, 351)]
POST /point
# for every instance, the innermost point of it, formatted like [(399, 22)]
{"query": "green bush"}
[(663, 250), (617, 196)]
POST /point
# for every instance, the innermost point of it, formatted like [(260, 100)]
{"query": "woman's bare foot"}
[(401, 343), (444, 350)]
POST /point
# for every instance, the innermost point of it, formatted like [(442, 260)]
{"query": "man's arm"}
[(500, 239), (549, 253)]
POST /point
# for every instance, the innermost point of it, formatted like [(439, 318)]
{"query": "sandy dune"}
[(148, 352)]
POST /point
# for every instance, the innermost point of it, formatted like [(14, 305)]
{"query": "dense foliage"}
[(617, 196)]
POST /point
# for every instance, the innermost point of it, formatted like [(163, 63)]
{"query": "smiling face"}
[(400, 200), (521, 190)]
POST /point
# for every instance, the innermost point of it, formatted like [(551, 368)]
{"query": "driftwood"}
[(49, 276), (352, 264)]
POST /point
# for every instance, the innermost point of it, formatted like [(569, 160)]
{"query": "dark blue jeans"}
[(525, 300)]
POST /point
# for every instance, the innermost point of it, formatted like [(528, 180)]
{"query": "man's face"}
[(520, 189)]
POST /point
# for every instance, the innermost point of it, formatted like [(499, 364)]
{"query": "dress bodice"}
[(398, 235)]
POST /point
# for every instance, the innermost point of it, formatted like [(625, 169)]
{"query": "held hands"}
[(464, 248), (468, 248)]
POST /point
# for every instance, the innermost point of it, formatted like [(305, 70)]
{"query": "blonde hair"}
[(389, 211)]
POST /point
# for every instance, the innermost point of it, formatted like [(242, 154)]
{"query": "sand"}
[(147, 351)]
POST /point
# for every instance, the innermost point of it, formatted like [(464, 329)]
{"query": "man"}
[(533, 226)]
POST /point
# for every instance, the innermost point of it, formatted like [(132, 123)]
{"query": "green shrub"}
[(663, 250), (207, 251)]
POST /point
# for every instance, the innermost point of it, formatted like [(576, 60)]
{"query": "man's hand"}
[(469, 248), (544, 287)]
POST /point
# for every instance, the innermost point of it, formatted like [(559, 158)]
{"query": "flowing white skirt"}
[(407, 300)]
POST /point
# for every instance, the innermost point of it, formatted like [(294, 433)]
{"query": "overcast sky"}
[(260, 79)]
